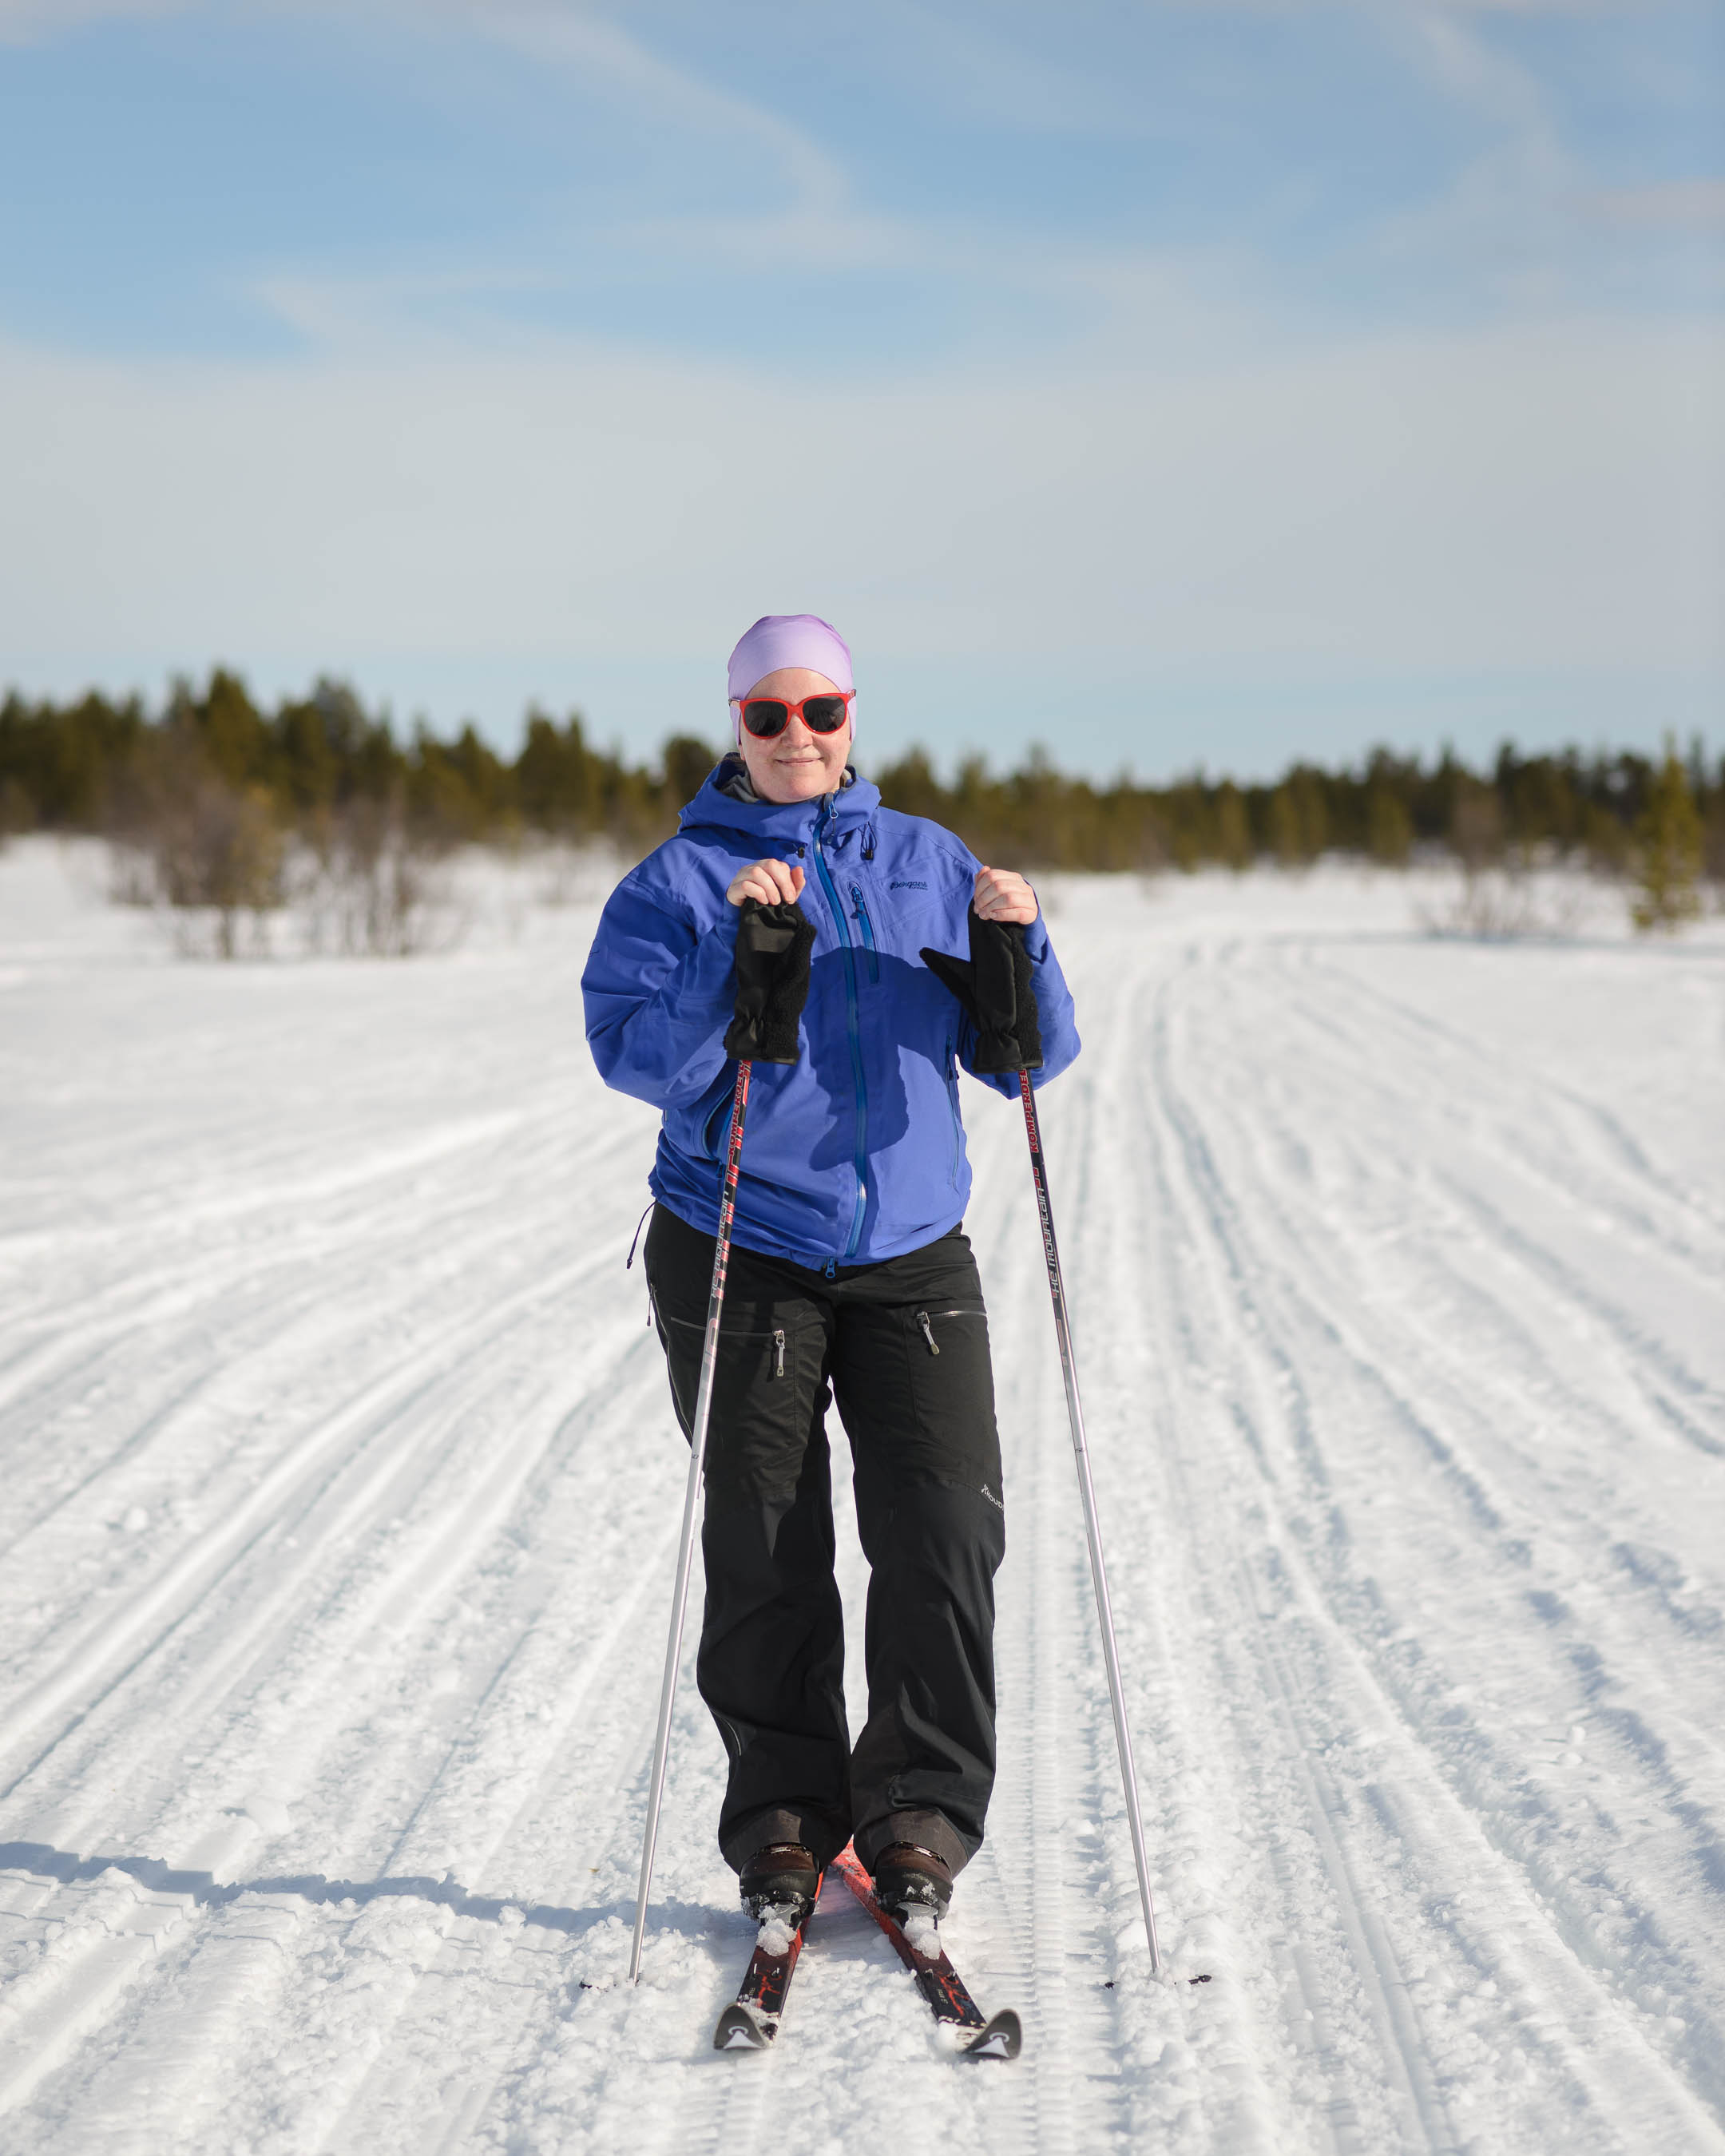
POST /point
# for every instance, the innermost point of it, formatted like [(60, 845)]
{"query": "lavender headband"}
[(787, 640)]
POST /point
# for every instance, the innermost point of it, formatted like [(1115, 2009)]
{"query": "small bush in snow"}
[(369, 885)]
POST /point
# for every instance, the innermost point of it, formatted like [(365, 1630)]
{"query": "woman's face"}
[(796, 765)]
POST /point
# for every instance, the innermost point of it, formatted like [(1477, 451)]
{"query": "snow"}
[(923, 1931), (341, 1490), (777, 1931)]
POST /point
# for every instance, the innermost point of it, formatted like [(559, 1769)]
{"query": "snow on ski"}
[(989, 2037), (750, 2021)]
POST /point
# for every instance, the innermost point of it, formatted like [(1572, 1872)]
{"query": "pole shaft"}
[(691, 1506), (1093, 1533)]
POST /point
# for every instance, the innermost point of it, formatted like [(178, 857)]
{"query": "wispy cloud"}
[(1503, 500), (589, 43), (968, 62), (510, 442), (1676, 206), (1555, 8), (25, 21), (1507, 222), (812, 218)]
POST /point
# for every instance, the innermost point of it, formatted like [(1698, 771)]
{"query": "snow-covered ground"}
[(339, 1490)]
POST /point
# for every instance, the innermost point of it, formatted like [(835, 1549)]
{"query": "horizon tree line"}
[(319, 767)]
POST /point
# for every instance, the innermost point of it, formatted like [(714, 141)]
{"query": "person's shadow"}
[(44, 1862)]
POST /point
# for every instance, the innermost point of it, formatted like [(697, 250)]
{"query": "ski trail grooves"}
[(342, 1483), (1219, 1221), (136, 1631)]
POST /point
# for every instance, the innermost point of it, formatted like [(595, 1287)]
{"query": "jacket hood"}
[(728, 802)]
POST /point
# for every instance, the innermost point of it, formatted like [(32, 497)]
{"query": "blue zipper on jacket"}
[(853, 1025)]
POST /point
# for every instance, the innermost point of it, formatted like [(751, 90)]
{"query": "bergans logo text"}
[(899, 883)]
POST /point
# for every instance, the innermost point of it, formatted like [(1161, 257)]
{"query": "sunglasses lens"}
[(823, 714), (765, 717)]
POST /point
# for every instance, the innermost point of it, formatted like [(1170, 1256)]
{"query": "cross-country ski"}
[(750, 2021), (916, 1942)]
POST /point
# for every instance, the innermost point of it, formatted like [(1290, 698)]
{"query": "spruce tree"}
[(1389, 829), (1233, 837), (1667, 851)]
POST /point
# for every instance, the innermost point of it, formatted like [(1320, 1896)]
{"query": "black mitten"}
[(994, 986), (772, 947)]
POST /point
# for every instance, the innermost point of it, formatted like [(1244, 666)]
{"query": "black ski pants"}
[(903, 1344)]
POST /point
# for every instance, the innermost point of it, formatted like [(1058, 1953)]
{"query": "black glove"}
[(772, 947), (994, 984)]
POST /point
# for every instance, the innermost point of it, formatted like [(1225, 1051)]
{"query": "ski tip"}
[(738, 2030), (1001, 2037)]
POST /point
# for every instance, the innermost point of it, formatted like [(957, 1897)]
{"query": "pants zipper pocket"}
[(924, 1319), (778, 1335)]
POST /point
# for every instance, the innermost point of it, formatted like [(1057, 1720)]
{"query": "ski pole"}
[(691, 1506), (1110, 1653)]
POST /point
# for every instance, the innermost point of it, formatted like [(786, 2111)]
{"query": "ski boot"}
[(912, 1884), (780, 1882)]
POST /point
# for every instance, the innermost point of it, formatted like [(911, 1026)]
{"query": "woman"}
[(849, 1276)]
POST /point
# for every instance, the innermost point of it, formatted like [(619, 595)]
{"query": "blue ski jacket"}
[(856, 1153)]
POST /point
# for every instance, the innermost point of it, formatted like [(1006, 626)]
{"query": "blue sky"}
[(1171, 384)]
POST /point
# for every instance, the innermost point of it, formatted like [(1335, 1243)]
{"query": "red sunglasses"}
[(765, 716)]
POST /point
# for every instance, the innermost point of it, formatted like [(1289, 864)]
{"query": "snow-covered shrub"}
[(212, 852), (1519, 895), (368, 883)]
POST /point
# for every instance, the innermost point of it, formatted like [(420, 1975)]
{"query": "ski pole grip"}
[(773, 943), (996, 986)]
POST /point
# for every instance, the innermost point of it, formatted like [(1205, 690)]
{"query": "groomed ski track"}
[(338, 1491)]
